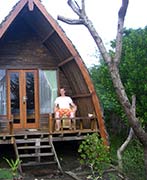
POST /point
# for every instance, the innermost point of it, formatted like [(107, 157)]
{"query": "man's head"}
[(62, 91)]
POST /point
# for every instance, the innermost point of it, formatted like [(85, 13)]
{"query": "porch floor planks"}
[(62, 135)]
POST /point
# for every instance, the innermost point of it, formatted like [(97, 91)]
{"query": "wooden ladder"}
[(36, 152)]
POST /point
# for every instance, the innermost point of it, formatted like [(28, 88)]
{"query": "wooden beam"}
[(48, 36), (31, 5), (65, 61), (82, 95)]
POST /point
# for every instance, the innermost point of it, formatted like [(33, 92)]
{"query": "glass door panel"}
[(14, 96), (30, 97)]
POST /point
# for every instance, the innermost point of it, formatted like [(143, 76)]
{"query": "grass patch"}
[(133, 158), (5, 174)]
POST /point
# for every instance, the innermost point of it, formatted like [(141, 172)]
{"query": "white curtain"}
[(48, 90), (2, 92)]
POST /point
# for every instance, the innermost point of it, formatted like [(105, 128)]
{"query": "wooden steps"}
[(36, 151), (37, 164)]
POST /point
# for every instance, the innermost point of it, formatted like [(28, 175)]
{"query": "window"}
[(48, 90), (2, 92)]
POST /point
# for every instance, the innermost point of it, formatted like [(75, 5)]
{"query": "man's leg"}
[(73, 122), (58, 122)]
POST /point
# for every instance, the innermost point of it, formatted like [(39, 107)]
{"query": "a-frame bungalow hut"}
[(36, 59)]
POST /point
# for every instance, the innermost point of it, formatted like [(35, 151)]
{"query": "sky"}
[(103, 14)]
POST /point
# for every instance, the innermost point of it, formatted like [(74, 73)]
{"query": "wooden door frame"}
[(22, 91)]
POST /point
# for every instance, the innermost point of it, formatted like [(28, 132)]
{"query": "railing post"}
[(11, 129), (50, 123), (92, 123), (81, 124), (62, 125), (73, 123)]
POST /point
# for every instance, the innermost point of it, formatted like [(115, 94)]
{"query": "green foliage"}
[(105, 89), (133, 68), (133, 161), (5, 174), (94, 154), (13, 165)]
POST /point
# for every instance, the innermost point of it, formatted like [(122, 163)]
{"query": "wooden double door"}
[(23, 98)]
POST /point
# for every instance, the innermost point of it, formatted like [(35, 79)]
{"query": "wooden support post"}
[(50, 122), (81, 124), (11, 125), (95, 123), (17, 156), (73, 123), (62, 126), (92, 123), (56, 157)]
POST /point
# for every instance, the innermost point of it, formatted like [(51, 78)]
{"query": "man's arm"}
[(73, 106)]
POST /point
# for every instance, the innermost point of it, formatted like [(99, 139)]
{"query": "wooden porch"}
[(35, 146), (75, 131)]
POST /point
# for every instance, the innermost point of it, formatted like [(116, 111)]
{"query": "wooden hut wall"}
[(21, 48)]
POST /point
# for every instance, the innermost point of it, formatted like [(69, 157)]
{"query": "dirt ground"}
[(67, 153), (69, 159)]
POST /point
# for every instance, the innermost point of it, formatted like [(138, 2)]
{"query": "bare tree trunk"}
[(131, 133), (123, 147), (112, 62)]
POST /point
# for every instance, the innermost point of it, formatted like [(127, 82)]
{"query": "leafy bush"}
[(133, 161), (94, 154)]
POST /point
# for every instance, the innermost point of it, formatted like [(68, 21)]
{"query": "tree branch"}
[(75, 7), (117, 171), (70, 21), (121, 16), (73, 175), (83, 8), (123, 9), (83, 19), (123, 147), (130, 136)]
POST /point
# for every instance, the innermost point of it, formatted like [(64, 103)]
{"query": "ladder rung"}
[(33, 163), (22, 141), (34, 147), (35, 155)]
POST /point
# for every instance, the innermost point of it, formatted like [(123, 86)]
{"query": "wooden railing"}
[(6, 124), (77, 124)]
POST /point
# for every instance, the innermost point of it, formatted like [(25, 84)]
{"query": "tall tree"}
[(133, 70), (112, 63)]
